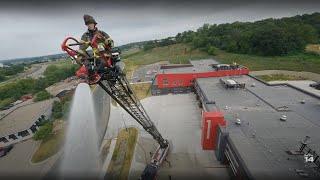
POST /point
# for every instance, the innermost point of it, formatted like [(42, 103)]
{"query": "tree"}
[(269, 37), (212, 50), (42, 95), (44, 131), (57, 110), (2, 78)]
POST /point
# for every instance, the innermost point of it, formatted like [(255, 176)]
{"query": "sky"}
[(32, 28)]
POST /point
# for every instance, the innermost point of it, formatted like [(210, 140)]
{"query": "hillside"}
[(290, 43), (176, 54), (182, 52), (268, 37)]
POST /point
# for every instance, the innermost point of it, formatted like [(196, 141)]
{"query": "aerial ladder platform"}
[(113, 81)]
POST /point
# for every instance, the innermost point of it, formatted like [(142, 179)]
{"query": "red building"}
[(173, 80), (180, 78)]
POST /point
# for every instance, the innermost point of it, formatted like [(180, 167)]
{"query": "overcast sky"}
[(28, 29)]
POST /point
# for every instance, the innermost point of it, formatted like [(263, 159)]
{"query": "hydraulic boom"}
[(114, 82)]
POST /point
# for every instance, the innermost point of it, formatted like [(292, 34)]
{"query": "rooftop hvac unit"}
[(230, 83)]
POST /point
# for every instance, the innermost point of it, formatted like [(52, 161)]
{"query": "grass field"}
[(279, 77), (49, 146), (123, 153), (176, 54), (142, 90), (181, 53), (299, 62)]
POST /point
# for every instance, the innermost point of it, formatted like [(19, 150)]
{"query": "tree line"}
[(10, 71), (268, 37), (14, 90)]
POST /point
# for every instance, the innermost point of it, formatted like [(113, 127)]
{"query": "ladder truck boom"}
[(113, 81)]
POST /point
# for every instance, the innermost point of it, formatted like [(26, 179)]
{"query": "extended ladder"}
[(119, 89)]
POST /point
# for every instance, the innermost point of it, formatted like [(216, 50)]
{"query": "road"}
[(35, 71), (17, 163), (38, 72), (7, 111)]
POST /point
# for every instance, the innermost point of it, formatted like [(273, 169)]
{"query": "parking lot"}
[(147, 72), (17, 162)]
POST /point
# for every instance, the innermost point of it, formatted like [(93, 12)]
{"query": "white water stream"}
[(81, 153)]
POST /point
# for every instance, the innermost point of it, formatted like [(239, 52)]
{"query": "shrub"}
[(212, 50), (57, 111), (6, 102), (42, 95), (44, 131)]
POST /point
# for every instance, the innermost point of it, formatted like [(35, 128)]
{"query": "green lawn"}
[(298, 62), (176, 54), (142, 90), (279, 77), (181, 53), (123, 153), (49, 146)]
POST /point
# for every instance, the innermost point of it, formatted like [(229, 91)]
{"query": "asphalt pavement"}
[(17, 163), (177, 117)]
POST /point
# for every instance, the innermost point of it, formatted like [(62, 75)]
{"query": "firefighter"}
[(86, 39)]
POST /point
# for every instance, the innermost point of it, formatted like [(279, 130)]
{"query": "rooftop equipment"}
[(283, 118), (230, 83)]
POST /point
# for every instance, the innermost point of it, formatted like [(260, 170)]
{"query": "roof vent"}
[(238, 121), (283, 118), (253, 85), (303, 101)]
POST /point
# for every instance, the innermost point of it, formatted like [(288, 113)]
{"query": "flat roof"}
[(262, 139), (202, 65), (22, 118)]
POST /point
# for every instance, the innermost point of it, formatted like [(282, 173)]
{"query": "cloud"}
[(39, 30)]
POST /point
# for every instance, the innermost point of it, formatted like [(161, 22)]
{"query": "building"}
[(255, 142), (180, 78), (243, 120)]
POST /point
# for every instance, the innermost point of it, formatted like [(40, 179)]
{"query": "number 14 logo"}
[(308, 158)]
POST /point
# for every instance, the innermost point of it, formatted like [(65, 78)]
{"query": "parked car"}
[(315, 85), (5, 150)]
